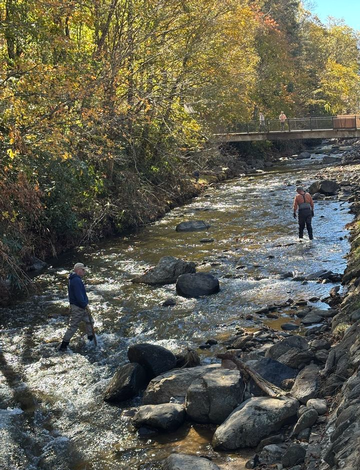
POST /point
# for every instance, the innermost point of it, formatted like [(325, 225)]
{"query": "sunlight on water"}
[(254, 254)]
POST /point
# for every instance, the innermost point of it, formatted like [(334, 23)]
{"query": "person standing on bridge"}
[(304, 202), (282, 119), (262, 127)]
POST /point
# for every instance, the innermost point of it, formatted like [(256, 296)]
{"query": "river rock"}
[(318, 344), (164, 417), (304, 155), (166, 271), (253, 420), (326, 187), (126, 383), (294, 455), (305, 421), (321, 355), (270, 454), (174, 384), (332, 160), (274, 439), (212, 397), (306, 384), (242, 342), (192, 226), (311, 318), (187, 358), (270, 370), (188, 462), (196, 285), (318, 404), (322, 274), (281, 347), (154, 359), (289, 326), (296, 358)]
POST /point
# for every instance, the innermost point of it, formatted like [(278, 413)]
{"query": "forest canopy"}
[(103, 102)]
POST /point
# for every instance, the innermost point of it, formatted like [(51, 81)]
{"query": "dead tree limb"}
[(266, 386)]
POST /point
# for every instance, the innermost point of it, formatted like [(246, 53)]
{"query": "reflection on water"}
[(255, 247)]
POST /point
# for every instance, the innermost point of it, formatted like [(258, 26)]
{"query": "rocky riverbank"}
[(293, 399)]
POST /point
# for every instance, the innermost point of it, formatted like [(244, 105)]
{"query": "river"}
[(52, 413)]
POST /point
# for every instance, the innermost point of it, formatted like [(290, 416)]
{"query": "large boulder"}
[(296, 358), (192, 226), (327, 187), (196, 285), (166, 271), (283, 346), (174, 384), (271, 370), (126, 383), (154, 359), (165, 417), (253, 420), (212, 397), (307, 384), (188, 462)]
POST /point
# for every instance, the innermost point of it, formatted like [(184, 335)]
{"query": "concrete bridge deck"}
[(345, 127)]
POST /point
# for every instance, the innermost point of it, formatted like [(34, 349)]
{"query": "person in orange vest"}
[(304, 203)]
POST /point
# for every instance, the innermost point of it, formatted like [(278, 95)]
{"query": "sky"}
[(348, 10)]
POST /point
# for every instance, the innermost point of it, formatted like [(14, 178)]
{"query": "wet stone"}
[(192, 226), (164, 417), (188, 462), (294, 455), (155, 359), (196, 285), (289, 326), (312, 318)]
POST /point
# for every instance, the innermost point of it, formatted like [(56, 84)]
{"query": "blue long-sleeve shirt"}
[(77, 293)]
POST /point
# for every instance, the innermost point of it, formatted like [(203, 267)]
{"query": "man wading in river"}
[(78, 306), (303, 201)]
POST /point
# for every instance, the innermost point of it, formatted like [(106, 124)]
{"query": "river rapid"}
[(52, 413)]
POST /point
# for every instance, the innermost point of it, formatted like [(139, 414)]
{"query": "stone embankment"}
[(338, 448)]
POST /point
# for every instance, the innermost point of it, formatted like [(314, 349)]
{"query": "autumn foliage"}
[(103, 102)]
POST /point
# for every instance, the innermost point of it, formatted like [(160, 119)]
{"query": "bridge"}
[(324, 127)]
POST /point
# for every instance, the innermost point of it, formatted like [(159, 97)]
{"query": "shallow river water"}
[(52, 413)]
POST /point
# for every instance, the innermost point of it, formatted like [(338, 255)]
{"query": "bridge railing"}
[(294, 124)]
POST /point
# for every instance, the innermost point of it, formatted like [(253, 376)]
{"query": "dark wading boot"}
[(63, 346)]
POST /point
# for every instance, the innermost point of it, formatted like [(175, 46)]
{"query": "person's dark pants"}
[(305, 219)]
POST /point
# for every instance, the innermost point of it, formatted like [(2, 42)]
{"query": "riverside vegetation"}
[(107, 106)]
